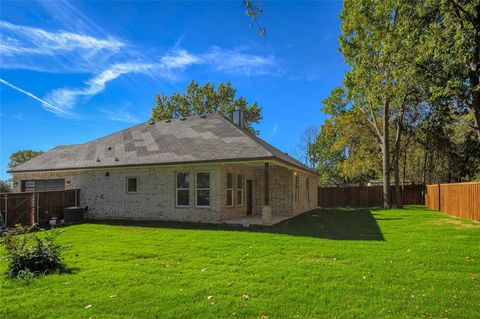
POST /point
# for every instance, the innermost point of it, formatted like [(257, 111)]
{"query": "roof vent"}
[(98, 159), (183, 118), (168, 121), (151, 122), (116, 159)]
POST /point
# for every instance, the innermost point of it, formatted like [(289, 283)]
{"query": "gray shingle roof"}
[(192, 140)]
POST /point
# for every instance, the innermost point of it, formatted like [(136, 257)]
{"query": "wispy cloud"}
[(274, 130), (120, 115), (19, 39), (24, 47), (16, 116), (68, 97), (46, 105), (107, 58), (241, 63)]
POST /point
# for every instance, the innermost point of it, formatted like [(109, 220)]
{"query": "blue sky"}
[(75, 71)]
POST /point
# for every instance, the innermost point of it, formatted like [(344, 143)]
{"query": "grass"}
[(343, 263)]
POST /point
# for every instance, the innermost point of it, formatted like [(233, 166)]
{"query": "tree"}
[(254, 10), (5, 186), (305, 150), (22, 156), (451, 55), (345, 147), (206, 99), (378, 40)]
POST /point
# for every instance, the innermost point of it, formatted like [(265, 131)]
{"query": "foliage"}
[(125, 269), (254, 10), (206, 99), (413, 69), (29, 252), (5, 186), (450, 55), (21, 157)]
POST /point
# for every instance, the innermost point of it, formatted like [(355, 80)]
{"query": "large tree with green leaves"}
[(22, 156), (378, 42), (451, 55), (205, 99), (345, 147)]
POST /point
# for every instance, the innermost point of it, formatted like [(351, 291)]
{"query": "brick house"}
[(196, 169)]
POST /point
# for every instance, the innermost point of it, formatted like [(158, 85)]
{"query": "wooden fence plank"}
[(36, 207), (366, 195), (456, 199)]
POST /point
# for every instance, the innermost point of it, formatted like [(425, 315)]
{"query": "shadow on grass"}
[(334, 223)]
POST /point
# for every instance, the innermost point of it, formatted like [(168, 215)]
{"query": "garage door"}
[(43, 185)]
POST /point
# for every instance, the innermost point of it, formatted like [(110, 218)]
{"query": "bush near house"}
[(329, 263), (31, 253)]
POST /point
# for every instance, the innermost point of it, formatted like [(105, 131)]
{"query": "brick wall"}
[(306, 203), (282, 191), (106, 197)]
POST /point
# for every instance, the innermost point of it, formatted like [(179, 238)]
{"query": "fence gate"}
[(36, 207)]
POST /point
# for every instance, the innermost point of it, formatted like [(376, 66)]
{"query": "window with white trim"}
[(131, 184), (240, 189), (203, 189), (229, 194), (297, 189), (182, 185)]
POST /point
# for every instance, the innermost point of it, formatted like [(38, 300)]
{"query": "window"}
[(297, 188), (183, 189), (307, 187), (240, 190), (203, 189), (42, 185), (131, 184), (229, 198)]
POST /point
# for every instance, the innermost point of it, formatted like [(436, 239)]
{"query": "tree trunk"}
[(396, 169), (385, 156), (404, 166)]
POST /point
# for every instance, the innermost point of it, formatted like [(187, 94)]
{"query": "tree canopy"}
[(409, 104), (205, 99), (22, 156)]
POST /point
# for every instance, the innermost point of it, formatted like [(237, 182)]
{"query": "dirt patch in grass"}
[(460, 223)]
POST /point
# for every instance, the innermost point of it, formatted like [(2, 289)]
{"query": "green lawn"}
[(344, 263)]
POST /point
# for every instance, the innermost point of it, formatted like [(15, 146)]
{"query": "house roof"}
[(195, 139)]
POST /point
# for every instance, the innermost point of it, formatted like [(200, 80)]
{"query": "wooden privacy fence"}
[(36, 207), (457, 199), (366, 195)]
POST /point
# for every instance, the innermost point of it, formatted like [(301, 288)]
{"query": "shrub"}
[(32, 252)]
